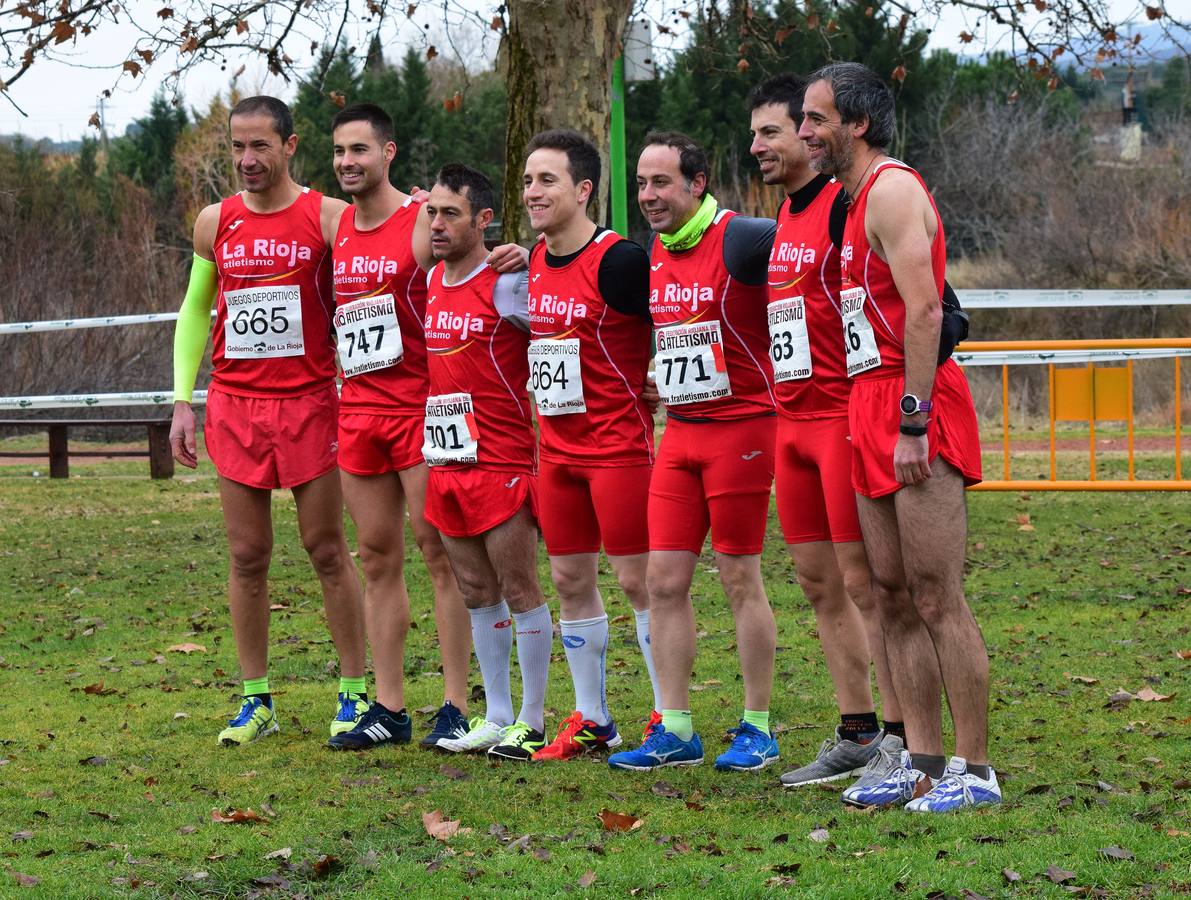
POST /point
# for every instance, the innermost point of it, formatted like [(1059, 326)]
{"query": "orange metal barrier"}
[(1087, 393)]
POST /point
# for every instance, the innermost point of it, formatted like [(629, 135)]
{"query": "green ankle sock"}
[(678, 723), (353, 686), (759, 720), (256, 686)]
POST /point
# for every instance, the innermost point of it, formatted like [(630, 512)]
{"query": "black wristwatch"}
[(910, 405), (912, 430)]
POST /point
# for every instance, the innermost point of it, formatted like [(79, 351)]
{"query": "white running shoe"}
[(480, 735)]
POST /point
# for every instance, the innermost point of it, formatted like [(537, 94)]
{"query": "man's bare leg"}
[(248, 520), (839, 623), (376, 504), (913, 664), (932, 520), (575, 577), (756, 630), (672, 619), (320, 523), (853, 564), (450, 614)]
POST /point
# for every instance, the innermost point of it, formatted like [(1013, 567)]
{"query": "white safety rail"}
[(1043, 357), (75, 401), (1034, 299), (80, 324)]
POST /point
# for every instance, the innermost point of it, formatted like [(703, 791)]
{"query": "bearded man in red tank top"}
[(272, 406), (915, 443)]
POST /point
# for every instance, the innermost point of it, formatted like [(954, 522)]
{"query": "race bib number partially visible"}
[(860, 344), (689, 363), (263, 322), (555, 377), (789, 346), (369, 337), (451, 434)]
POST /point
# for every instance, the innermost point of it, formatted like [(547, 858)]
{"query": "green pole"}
[(620, 211)]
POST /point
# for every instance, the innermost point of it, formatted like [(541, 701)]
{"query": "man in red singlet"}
[(479, 444), (380, 257), (588, 363), (714, 470), (272, 407), (815, 501), (915, 442)]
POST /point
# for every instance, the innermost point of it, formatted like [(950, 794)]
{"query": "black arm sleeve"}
[(624, 279), (747, 243)]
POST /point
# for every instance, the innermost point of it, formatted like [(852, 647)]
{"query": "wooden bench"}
[(161, 460)]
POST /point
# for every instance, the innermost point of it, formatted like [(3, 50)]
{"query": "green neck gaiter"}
[(692, 232)]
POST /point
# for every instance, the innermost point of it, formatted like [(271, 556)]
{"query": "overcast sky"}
[(60, 95)]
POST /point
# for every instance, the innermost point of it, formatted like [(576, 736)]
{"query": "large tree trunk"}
[(557, 61)]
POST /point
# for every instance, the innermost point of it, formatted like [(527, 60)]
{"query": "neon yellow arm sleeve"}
[(193, 327)]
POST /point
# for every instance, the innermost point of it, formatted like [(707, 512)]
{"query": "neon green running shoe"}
[(255, 720), (351, 708), (519, 743)]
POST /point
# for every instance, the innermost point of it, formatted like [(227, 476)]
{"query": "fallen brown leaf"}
[(283, 853), (186, 648), (1057, 875), (98, 689), (453, 773), (1148, 695), (587, 879), (439, 828), (19, 836), (1183, 654), (1010, 876), (324, 866), (1115, 852), (819, 835), (26, 880), (236, 817), (614, 821)]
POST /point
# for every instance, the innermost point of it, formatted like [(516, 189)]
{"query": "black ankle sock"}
[(934, 766), (267, 699), (980, 771), (896, 728), (859, 728)]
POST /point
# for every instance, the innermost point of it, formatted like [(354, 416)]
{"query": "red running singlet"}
[(272, 333), (587, 364), (712, 334), (477, 412), (380, 308)]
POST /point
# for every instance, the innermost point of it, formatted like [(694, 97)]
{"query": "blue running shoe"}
[(449, 722), (751, 749), (956, 789), (662, 748), (900, 785)]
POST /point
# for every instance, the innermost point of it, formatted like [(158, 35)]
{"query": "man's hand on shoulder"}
[(508, 258)]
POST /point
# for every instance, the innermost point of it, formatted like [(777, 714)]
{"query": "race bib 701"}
[(451, 435)]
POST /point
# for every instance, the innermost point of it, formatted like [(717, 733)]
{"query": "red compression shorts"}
[(375, 445), (712, 476), (875, 418), (582, 507), (469, 501), (815, 500), (272, 442)]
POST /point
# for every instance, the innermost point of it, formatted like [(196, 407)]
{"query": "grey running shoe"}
[(886, 759), (837, 759)]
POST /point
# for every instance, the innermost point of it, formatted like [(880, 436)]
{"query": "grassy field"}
[(111, 774)]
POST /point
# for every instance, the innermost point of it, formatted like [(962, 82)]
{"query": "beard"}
[(836, 157)]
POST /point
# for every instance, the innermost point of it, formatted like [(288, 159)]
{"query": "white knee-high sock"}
[(492, 636), (586, 645), (535, 636), (642, 617)]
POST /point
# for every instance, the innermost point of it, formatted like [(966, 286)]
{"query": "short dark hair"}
[(283, 120), (692, 159), (456, 176), (786, 90), (861, 94), (381, 121), (583, 159)]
